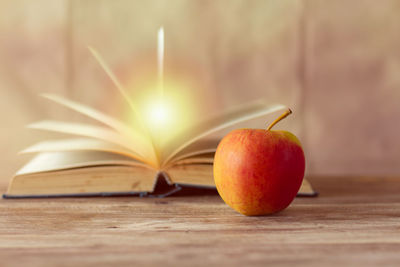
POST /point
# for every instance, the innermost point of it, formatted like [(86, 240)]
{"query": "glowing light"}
[(165, 104), (159, 114), (160, 60)]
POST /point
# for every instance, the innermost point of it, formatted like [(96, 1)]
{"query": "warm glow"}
[(160, 60), (166, 116), (165, 103), (158, 110), (159, 114)]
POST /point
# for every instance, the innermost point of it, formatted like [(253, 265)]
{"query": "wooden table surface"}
[(354, 221)]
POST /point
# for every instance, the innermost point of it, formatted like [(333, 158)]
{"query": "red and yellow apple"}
[(259, 171)]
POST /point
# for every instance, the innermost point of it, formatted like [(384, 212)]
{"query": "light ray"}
[(114, 79), (124, 93), (160, 61)]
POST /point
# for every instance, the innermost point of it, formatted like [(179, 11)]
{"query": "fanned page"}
[(207, 158), (125, 95), (199, 148), (218, 123), (135, 136), (137, 141), (78, 144), (52, 161), (96, 132)]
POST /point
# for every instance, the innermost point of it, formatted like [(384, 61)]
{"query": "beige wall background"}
[(336, 63)]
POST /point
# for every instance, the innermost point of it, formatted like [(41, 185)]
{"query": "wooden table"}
[(354, 221)]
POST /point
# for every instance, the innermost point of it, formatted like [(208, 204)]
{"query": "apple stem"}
[(281, 117)]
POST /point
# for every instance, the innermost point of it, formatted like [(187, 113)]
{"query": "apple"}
[(259, 171)]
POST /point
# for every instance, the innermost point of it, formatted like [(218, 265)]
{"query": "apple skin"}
[(258, 171)]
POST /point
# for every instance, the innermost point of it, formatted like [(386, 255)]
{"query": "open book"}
[(115, 159)]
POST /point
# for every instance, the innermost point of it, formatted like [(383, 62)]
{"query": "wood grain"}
[(354, 221)]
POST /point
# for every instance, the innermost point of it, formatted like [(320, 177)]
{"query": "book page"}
[(92, 181), (194, 154), (133, 134), (199, 148), (53, 161), (154, 149), (218, 123), (192, 174), (79, 144), (96, 132), (199, 159)]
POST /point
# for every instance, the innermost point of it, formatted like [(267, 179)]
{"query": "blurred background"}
[(335, 63)]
